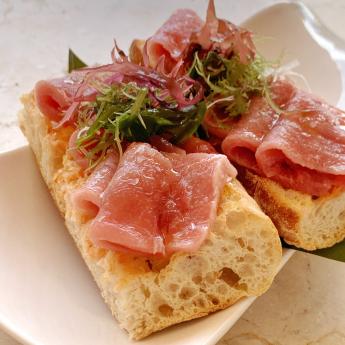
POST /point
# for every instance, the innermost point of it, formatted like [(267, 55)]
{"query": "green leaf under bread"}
[(74, 62), (337, 252)]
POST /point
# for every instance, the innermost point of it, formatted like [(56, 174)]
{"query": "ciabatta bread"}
[(302, 220), (239, 258)]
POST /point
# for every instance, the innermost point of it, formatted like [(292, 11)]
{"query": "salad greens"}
[(229, 83), (124, 112)]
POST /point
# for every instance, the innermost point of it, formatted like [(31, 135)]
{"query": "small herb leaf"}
[(229, 83), (74, 62)]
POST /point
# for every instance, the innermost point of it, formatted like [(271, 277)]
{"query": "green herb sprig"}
[(124, 113), (229, 83)]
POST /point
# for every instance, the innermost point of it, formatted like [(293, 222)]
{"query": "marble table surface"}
[(306, 303)]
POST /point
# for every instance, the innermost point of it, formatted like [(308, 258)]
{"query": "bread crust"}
[(301, 219), (239, 258)]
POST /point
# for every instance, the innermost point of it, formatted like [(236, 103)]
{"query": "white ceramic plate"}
[(47, 296)]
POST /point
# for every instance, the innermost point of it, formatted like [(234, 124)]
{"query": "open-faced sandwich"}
[(132, 153), (167, 231)]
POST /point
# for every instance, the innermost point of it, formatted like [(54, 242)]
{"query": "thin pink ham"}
[(54, 96), (197, 145), (184, 31), (192, 207), (305, 150), (160, 203), (164, 145), (247, 134), (131, 204), (173, 37), (87, 199)]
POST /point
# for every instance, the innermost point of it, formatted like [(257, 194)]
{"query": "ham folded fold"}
[(55, 96), (192, 205), (87, 199), (302, 149), (305, 150), (173, 37), (153, 203), (245, 136)]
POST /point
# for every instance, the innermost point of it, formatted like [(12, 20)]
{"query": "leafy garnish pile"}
[(124, 102), (124, 113), (220, 69), (229, 83)]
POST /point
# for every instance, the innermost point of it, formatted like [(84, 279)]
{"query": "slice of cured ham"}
[(302, 149), (158, 203), (56, 95), (130, 209), (87, 199), (164, 145), (192, 206), (195, 145), (184, 31), (247, 134), (305, 150), (173, 37)]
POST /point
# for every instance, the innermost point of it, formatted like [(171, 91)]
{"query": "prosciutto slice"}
[(194, 145), (159, 203), (302, 149), (87, 199), (184, 32), (192, 206), (305, 150), (56, 95), (129, 213), (163, 145), (247, 134), (173, 37)]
